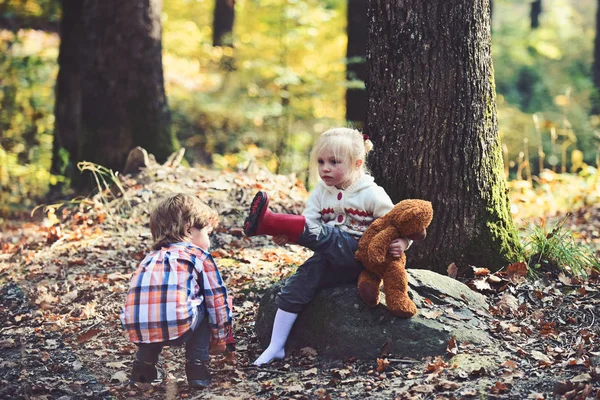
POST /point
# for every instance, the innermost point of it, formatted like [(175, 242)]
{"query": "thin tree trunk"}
[(596, 65), (123, 98), (223, 17), (432, 116), (356, 63), (67, 107), (536, 10)]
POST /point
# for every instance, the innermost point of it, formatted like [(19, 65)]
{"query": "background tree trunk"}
[(67, 107), (123, 97), (536, 10), (356, 64), (432, 116), (596, 65), (223, 18)]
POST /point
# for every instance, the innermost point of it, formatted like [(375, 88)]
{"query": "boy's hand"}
[(397, 247), (281, 239), (217, 348)]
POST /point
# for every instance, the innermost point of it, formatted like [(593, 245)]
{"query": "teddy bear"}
[(409, 218)]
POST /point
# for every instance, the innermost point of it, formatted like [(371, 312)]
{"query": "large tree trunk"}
[(123, 97), (67, 106), (356, 63), (432, 116)]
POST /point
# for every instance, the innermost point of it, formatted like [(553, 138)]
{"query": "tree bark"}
[(432, 117), (356, 63), (536, 10), (223, 17), (67, 106), (123, 98), (596, 65)]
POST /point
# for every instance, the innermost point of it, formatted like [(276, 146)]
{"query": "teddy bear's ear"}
[(412, 216), (378, 247)]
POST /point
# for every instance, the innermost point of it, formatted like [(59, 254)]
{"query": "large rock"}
[(338, 324)]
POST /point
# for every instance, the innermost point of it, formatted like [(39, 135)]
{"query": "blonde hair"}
[(173, 217), (346, 143)]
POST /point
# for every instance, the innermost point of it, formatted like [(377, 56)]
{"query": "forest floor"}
[(64, 273)]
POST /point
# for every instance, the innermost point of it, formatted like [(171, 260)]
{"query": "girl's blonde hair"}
[(172, 219), (346, 143)]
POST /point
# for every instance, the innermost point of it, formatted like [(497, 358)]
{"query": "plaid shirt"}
[(164, 295)]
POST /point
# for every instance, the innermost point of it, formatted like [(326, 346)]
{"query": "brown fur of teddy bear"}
[(409, 218)]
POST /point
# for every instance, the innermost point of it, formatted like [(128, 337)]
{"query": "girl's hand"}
[(397, 247), (281, 239)]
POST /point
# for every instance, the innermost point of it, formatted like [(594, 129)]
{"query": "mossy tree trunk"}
[(432, 117), (356, 63), (123, 97)]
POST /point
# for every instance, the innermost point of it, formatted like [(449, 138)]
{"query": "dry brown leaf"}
[(517, 272), (481, 271), (510, 364), (452, 347), (452, 270), (87, 335), (382, 364)]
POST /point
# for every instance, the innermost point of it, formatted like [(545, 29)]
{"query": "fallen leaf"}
[(382, 364), (452, 270), (120, 376), (452, 347)]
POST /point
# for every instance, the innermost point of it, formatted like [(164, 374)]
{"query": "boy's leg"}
[(197, 356), (144, 366), (296, 293)]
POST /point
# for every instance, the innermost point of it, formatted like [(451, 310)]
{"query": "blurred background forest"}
[(265, 91)]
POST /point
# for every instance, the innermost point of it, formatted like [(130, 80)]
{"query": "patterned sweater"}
[(352, 209), (166, 290)]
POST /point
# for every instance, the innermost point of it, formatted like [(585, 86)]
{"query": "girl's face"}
[(200, 237), (333, 170)]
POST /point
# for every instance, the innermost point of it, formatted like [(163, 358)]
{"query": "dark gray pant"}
[(197, 342), (333, 263)]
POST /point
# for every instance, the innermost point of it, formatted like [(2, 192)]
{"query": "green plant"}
[(557, 251)]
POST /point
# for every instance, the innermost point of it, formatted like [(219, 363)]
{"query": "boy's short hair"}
[(174, 216)]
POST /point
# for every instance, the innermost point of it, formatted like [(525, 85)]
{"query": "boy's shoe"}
[(143, 372), (197, 373), (261, 221)]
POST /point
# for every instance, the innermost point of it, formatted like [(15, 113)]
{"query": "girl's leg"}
[(298, 290), (337, 249), (281, 329)]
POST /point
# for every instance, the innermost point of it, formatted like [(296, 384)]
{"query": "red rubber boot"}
[(261, 221)]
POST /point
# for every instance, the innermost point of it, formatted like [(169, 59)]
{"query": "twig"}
[(397, 360), (262, 369)]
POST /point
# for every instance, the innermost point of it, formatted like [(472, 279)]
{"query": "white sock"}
[(281, 329)]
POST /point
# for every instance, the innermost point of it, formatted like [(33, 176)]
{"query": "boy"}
[(176, 295)]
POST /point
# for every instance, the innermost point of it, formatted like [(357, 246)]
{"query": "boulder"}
[(338, 324)]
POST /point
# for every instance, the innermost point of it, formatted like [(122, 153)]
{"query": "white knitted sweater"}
[(352, 209)]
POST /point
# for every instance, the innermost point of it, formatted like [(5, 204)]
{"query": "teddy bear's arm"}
[(378, 247)]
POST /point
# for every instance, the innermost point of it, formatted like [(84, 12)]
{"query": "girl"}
[(339, 210)]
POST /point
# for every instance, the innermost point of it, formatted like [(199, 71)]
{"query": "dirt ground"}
[(64, 273)]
